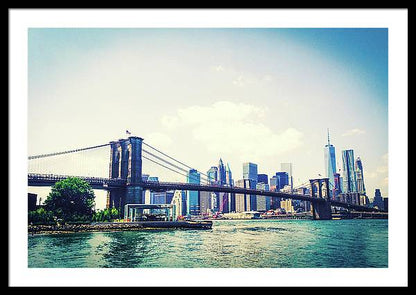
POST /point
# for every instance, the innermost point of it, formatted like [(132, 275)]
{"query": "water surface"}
[(229, 244)]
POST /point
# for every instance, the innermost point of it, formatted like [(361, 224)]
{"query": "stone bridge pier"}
[(126, 164), (321, 210)]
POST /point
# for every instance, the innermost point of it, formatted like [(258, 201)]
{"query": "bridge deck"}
[(109, 183)]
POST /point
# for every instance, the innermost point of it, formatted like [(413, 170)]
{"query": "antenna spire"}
[(328, 136)]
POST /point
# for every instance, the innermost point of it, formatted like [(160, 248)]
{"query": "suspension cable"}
[(167, 162), (173, 159), (167, 167), (66, 152)]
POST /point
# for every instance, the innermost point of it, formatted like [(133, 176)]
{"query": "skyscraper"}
[(360, 176), (250, 171), (274, 183), (282, 180), (192, 200), (179, 200), (349, 175), (378, 199), (225, 179), (240, 199), (205, 202), (262, 178), (221, 175), (221, 172), (250, 180), (330, 165), (263, 202), (213, 174), (230, 182), (288, 167)]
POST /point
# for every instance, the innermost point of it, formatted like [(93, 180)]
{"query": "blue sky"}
[(261, 95)]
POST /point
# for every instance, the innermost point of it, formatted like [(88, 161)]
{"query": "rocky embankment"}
[(115, 226)]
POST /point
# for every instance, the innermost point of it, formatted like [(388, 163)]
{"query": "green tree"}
[(40, 216), (108, 214), (71, 198)]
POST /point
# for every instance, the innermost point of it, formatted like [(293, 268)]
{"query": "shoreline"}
[(117, 226)]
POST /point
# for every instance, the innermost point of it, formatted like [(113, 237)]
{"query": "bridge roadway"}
[(109, 183)]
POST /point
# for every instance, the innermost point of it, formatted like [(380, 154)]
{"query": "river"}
[(354, 243)]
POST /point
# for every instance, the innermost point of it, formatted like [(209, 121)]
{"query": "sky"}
[(261, 95)]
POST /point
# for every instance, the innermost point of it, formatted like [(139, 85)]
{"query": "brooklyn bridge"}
[(125, 183)]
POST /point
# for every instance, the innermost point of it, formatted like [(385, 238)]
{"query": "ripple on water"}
[(255, 244)]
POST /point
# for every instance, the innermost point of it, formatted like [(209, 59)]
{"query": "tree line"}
[(71, 200)]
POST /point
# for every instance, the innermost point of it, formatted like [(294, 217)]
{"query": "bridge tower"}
[(126, 164), (320, 190)]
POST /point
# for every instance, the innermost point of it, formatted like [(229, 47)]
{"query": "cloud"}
[(218, 68), (229, 128), (353, 132)]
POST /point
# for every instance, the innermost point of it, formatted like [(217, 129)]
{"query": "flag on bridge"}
[(128, 132)]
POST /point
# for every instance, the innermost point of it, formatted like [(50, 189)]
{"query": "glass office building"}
[(192, 198), (349, 176), (360, 176), (250, 180), (330, 165)]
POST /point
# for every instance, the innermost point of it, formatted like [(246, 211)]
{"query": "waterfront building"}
[(157, 198), (330, 166), (287, 205), (192, 200), (288, 168), (349, 175)]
